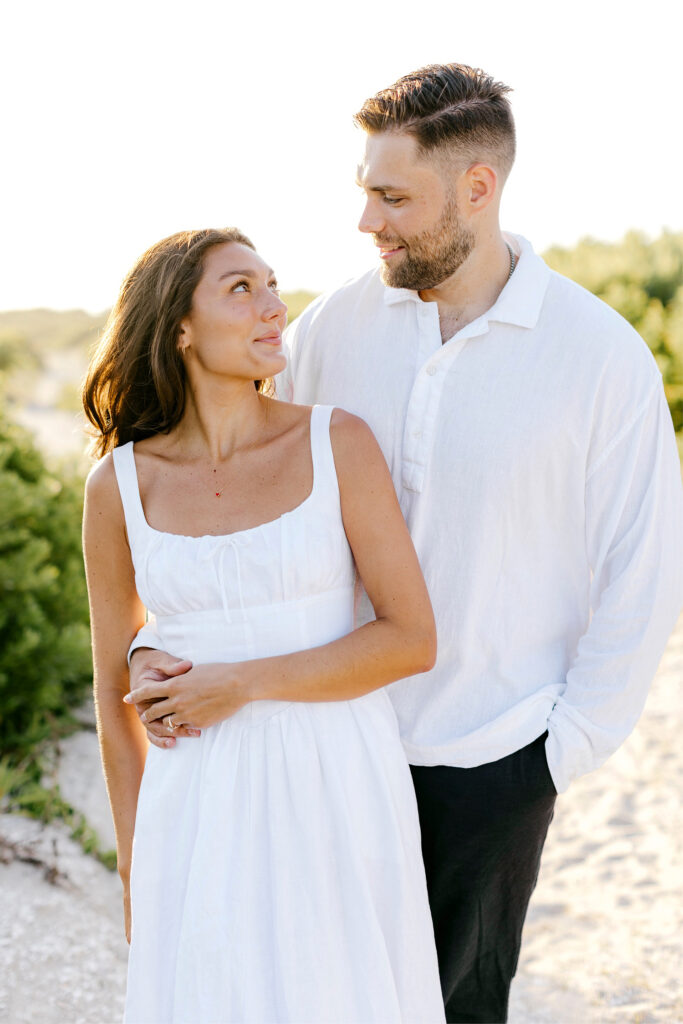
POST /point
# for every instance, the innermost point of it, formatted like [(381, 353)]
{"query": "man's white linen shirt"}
[(535, 462)]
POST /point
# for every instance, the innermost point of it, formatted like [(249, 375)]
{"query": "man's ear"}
[(481, 186)]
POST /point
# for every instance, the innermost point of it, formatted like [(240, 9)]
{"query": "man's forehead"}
[(391, 161)]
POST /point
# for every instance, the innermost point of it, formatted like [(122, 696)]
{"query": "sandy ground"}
[(603, 941)]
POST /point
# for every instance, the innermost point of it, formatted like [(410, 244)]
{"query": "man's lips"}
[(387, 251)]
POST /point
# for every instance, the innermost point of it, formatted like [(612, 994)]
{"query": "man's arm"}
[(146, 638), (634, 523)]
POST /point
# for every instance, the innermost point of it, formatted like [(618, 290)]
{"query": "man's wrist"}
[(137, 651)]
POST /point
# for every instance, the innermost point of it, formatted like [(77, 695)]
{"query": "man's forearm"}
[(634, 522)]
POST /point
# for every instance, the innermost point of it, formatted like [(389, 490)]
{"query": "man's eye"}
[(392, 200)]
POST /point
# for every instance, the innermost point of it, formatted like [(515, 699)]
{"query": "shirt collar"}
[(521, 299)]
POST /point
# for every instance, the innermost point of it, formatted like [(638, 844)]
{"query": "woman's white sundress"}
[(277, 874)]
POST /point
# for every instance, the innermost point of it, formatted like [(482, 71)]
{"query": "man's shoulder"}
[(594, 329)]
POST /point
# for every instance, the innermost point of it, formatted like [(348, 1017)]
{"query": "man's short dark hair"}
[(447, 105)]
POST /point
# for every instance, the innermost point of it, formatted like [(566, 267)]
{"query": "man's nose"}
[(371, 221)]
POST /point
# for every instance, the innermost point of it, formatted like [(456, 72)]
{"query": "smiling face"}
[(411, 210), (235, 325)]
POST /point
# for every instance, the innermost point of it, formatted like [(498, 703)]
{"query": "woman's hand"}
[(150, 665), (196, 699)]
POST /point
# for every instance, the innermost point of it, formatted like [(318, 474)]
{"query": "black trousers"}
[(483, 831)]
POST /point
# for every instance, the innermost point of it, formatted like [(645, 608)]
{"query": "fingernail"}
[(169, 743), (128, 699), (194, 732)]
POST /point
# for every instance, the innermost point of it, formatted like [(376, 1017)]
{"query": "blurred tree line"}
[(44, 649)]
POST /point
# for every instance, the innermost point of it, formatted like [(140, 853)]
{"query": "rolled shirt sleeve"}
[(146, 637), (634, 519)]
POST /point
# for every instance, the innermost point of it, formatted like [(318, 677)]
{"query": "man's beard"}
[(432, 256)]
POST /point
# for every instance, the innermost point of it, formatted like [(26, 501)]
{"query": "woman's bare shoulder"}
[(357, 455), (348, 431), (102, 497), (287, 413), (101, 481)]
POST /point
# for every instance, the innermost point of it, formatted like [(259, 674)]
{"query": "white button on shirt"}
[(535, 463)]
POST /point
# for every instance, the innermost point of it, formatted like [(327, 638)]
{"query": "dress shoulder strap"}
[(127, 479), (324, 469)]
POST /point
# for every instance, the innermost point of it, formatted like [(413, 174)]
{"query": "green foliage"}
[(45, 665), (643, 281), (296, 303), (23, 792)]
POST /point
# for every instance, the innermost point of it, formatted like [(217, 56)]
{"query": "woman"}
[(276, 871)]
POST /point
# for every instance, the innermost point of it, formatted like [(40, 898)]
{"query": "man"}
[(533, 453)]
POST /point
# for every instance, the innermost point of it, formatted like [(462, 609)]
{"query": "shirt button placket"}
[(415, 439)]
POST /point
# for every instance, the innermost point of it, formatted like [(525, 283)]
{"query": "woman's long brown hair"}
[(135, 386)]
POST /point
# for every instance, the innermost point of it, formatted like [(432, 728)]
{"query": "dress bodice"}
[(283, 585)]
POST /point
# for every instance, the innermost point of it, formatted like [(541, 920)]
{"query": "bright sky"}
[(125, 121)]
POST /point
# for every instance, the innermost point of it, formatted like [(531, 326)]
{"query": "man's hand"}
[(150, 666), (193, 699)]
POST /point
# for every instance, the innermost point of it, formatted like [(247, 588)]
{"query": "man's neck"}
[(473, 288)]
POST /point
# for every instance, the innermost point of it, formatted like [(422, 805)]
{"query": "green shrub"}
[(45, 664)]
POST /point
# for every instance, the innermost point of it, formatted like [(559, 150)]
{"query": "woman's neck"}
[(220, 419)]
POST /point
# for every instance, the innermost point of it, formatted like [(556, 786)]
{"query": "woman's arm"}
[(400, 642), (116, 614)]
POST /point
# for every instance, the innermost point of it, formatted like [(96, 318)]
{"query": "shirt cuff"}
[(575, 745), (146, 637)]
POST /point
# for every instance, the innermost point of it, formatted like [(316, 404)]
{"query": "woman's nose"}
[(274, 308)]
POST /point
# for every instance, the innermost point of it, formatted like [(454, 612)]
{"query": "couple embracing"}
[(462, 416)]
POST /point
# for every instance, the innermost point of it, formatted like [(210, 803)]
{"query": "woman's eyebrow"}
[(243, 273)]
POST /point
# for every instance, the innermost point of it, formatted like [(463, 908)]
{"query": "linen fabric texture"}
[(536, 466), (277, 871)]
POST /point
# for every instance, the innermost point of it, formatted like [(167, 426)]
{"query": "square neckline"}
[(232, 533)]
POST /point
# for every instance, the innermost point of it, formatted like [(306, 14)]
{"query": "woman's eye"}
[(240, 286), (274, 287)]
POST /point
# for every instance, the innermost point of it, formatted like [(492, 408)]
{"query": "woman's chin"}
[(273, 363)]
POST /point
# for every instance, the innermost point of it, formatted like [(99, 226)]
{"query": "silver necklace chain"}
[(513, 260)]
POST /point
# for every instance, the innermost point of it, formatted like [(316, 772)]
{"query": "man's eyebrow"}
[(380, 188), (244, 273)]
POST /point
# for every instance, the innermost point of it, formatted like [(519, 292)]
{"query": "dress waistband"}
[(206, 635)]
